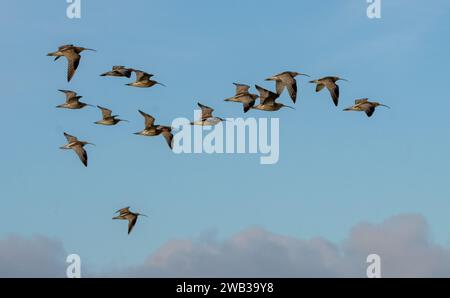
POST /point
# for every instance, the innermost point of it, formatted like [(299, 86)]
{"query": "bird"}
[(243, 96), (108, 118), (151, 129), (72, 101), (207, 119), (143, 80), (268, 100), (287, 80), (126, 214), (72, 54), (118, 71), (364, 105), (77, 146), (330, 83)]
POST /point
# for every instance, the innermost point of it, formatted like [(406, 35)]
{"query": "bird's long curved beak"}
[(161, 84), (90, 50), (347, 109), (288, 107), (344, 80), (143, 215), (123, 120), (386, 106), (89, 105), (304, 74), (90, 144)]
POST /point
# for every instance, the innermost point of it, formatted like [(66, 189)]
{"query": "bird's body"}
[(364, 105), (143, 80), (108, 118), (126, 214), (207, 119), (77, 146), (72, 54), (243, 96), (118, 71), (268, 101), (330, 84), (151, 129), (287, 80), (72, 101)]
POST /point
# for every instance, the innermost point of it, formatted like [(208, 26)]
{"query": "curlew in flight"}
[(72, 54), (72, 101), (126, 214), (143, 80), (243, 96), (118, 71), (330, 83), (207, 119), (77, 146), (268, 100), (287, 80), (151, 129), (364, 105), (108, 118)]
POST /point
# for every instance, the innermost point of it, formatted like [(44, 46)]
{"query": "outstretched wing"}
[(291, 85), (142, 75), (362, 100), (334, 91), (123, 210), (369, 110), (168, 136), (70, 138), (79, 150), (73, 60), (266, 97), (105, 112), (149, 120), (69, 94), (241, 88), (206, 111), (131, 222)]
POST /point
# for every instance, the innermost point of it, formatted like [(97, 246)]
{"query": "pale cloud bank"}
[(403, 242)]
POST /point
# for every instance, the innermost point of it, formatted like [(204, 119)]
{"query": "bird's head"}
[(294, 74), (87, 143), (377, 104), (81, 49), (286, 106), (335, 79)]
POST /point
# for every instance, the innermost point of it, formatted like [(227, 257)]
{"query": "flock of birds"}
[(267, 102)]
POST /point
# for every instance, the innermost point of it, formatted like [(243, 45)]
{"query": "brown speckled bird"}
[(243, 96), (143, 80), (364, 105), (287, 80), (72, 54), (126, 214), (72, 101), (151, 129), (77, 146), (330, 83), (268, 101)]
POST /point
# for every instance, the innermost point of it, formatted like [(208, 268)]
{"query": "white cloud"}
[(402, 242), (34, 257)]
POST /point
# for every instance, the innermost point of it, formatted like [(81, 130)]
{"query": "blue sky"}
[(336, 169)]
